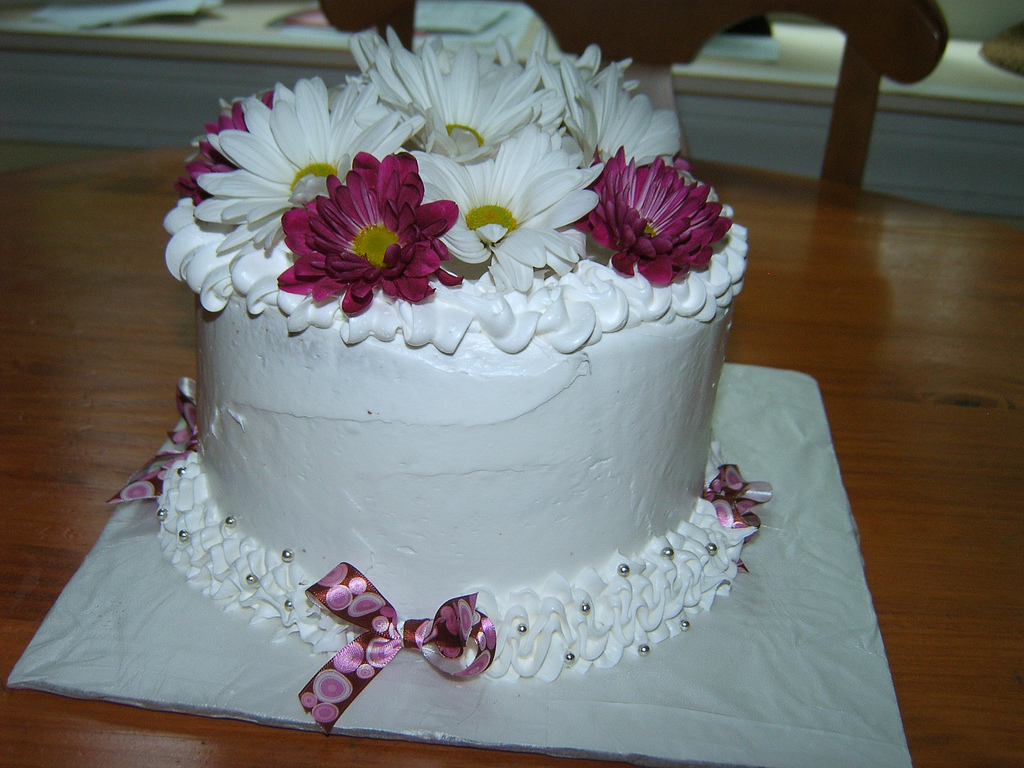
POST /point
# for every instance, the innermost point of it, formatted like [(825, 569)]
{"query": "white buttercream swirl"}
[(568, 312), (237, 571), (590, 621)]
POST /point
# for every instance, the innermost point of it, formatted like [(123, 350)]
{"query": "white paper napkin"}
[(788, 670), (93, 16)]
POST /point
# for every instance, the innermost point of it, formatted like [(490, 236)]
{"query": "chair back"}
[(900, 39)]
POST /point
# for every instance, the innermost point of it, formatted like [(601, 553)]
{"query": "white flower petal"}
[(212, 209), (465, 246), (255, 212), (444, 179), (466, 89), (510, 273), (364, 47), (524, 245), (570, 209), (242, 184), (299, 137), (603, 116), (248, 152), (492, 233)]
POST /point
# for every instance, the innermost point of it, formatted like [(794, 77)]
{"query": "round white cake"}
[(462, 353), (440, 472)]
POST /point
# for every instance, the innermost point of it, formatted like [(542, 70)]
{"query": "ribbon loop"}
[(459, 641), (735, 498)]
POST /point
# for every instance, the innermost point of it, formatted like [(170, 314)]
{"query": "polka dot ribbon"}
[(458, 641), (148, 482), (735, 498)]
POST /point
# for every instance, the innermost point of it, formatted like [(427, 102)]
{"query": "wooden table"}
[(911, 319)]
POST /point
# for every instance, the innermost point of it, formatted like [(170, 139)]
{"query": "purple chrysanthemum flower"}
[(208, 159), (658, 223), (371, 231)]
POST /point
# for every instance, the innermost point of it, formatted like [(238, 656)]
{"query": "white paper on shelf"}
[(462, 18), (92, 16)]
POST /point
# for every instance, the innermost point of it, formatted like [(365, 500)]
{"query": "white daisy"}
[(516, 209), (470, 103), (602, 115), (586, 68), (288, 150)]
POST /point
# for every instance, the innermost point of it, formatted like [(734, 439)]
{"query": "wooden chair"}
[(901, 39)]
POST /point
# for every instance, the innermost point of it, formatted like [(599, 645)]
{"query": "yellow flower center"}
[(372, 243), (649, 230), (314, 169), (452, 126), (490, 214)]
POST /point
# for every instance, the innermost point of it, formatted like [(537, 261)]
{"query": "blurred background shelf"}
[(956, 139)]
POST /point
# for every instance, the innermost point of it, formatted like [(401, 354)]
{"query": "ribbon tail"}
[(147, 483), (184, 432), (331, 690)]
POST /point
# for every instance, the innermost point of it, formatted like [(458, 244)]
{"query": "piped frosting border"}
[(632, 601), (568, 312)]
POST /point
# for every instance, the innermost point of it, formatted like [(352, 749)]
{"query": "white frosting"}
[(588, 622), (567, 312), (529, 478), (435, 472), (209, 552)]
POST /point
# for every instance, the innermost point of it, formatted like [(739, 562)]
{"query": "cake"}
[(460, 324)]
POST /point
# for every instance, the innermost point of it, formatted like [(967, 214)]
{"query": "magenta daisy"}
[(372, 231), (658, 223), (208, 159)]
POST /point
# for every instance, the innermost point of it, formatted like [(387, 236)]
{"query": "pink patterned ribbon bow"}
[(148, 482), (735, 498), (458, 641)]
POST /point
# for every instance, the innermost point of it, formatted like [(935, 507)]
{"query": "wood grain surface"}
[(910, 318)]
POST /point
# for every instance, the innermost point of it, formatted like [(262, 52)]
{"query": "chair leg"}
[(357, 15), (853, 115)]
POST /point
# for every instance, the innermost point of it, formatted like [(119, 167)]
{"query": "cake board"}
[(787, 670)]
